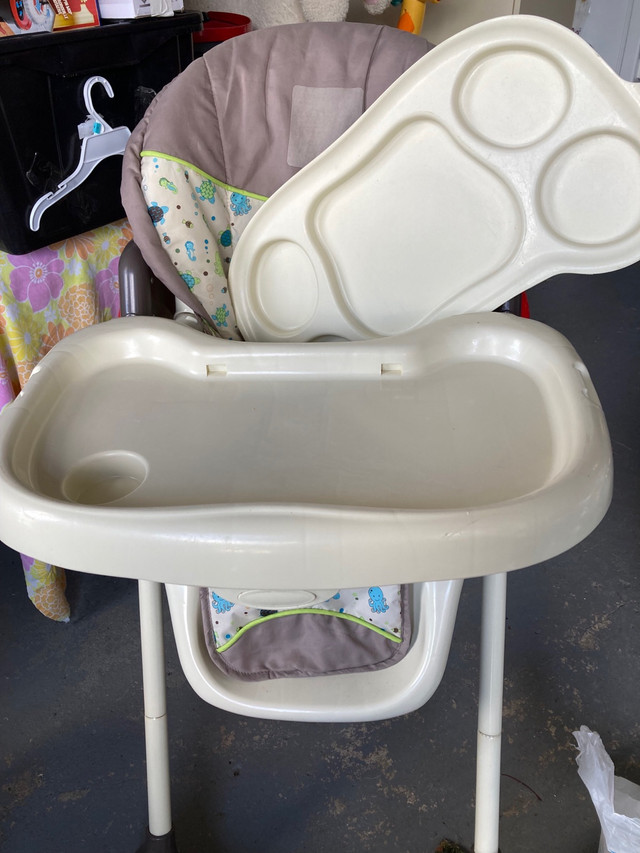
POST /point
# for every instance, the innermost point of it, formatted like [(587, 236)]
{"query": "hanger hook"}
[(91, 110)]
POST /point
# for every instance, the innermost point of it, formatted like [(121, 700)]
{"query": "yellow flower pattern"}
[(45, 296), (23, 334)]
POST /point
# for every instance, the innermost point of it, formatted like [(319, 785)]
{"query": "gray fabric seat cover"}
[(230, 112)]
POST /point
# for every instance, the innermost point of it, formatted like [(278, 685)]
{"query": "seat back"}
[(235, 126)]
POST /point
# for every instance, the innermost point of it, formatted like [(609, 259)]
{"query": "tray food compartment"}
[(507, 155)]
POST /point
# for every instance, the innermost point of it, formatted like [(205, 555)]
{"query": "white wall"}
[(611, 28), (443, 19), (557, 10)]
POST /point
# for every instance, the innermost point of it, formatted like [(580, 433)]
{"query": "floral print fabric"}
[(45, 296)]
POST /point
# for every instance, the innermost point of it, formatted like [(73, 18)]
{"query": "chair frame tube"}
[(487, 816), (155, 707), (494, 602)]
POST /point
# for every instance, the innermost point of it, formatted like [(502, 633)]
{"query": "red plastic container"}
[(218, 27)]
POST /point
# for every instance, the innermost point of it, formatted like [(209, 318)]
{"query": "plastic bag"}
[(616, 800)]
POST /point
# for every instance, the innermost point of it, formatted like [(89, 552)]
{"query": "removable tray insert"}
[(508, 154)]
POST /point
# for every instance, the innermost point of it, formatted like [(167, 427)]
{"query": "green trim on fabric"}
[(187, 165), (312, 611)]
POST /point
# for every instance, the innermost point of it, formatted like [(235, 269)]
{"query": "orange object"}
[(412, 15), (406, 22)]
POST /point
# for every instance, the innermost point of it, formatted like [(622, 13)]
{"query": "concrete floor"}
[(72, 770)]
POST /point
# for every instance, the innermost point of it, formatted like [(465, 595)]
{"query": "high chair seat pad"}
[(356, 630), (142, 448), (507, 154)]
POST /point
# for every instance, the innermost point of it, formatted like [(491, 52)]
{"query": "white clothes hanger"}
[(99, 141)]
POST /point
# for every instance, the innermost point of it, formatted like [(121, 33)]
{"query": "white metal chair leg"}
[(494, 600), (155, 708)]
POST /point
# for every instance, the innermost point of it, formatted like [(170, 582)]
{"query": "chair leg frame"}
[(160, 836), (492, 641), (494, 602)]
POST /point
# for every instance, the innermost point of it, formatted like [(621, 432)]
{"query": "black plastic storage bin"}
[(42, 78)]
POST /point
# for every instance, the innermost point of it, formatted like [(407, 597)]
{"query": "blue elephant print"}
[(220, 604), (377, 601)]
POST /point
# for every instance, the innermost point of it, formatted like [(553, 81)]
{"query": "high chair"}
[(372, 420)]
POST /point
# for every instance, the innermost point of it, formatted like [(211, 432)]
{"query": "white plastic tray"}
[(509, 153), (144, 449)]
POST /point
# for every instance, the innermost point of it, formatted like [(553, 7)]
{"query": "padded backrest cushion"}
[(255, 109)]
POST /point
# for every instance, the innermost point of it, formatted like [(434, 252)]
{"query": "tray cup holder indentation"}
[(105, 477)]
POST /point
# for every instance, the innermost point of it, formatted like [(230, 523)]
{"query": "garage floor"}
[(72, 770)]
